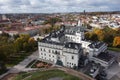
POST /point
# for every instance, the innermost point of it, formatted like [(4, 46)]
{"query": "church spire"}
[(79, 23)]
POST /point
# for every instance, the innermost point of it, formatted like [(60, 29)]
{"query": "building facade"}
[(67, 45)]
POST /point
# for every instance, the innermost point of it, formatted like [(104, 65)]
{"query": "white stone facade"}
[(53, 52), (56, 48)]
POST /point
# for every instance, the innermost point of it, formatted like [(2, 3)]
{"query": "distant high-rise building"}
[(0, 17), (84, 12)]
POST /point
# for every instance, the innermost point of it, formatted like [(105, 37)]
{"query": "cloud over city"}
[(50, 6)]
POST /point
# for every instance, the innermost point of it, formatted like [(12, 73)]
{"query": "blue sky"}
[(51, 6)]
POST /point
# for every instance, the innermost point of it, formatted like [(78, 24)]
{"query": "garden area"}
[(39, 64), (45, 75)]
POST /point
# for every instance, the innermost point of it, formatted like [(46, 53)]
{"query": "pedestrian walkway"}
[(22, 65)]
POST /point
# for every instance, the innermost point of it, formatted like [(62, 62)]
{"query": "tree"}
[(93, 37), (32, 43), (18, 43), (52, 21), (26, 47), (100, 33), (116, 42), (87, 35), (21, 42), (16, 36)]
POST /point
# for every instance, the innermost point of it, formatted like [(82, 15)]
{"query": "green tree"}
[(93, 36), (87, 35), (20, 42)]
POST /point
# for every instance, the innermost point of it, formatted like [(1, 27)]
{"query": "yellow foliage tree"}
[(100, 33), (116, 42)]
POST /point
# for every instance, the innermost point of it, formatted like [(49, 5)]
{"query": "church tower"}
[(79, 23)]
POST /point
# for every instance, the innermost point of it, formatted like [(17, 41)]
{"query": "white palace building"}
[(68, 47)]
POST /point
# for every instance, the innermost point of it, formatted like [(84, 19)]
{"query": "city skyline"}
[(53, 6)]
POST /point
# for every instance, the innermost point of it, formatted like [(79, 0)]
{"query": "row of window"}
[(56, 52), (70, 37), (47, 59), (45, 55), (68, 63), (72, 57)]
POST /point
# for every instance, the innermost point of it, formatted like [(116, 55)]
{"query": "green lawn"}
[(114, 49), (45, 75), (14, 60)]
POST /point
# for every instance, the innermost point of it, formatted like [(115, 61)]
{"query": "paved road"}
[(21, 66), (117, 54), (115, 68)]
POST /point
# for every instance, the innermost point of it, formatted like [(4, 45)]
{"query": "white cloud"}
[(38, 6)]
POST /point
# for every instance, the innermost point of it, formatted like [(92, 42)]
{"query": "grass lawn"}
[(114, 49), (45, 75), (14, 60)]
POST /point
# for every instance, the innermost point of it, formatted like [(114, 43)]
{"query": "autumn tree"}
[(116, 42), (32, 43), (24, 43), (100, 34), (91, 36), (87, 35)]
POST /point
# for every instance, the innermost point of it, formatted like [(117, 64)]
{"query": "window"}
[(52, 51), (41, 53), (49, 51), (44, 54), (55, 52), (58, 57), (44, 49), (67, 62), (72, 57), (58, 52), (49, 55), (72, 63), (53, 56), (41, 49)]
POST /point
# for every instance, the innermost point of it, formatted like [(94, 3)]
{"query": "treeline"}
[(102, 13), (108, 35), (12, 46)]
